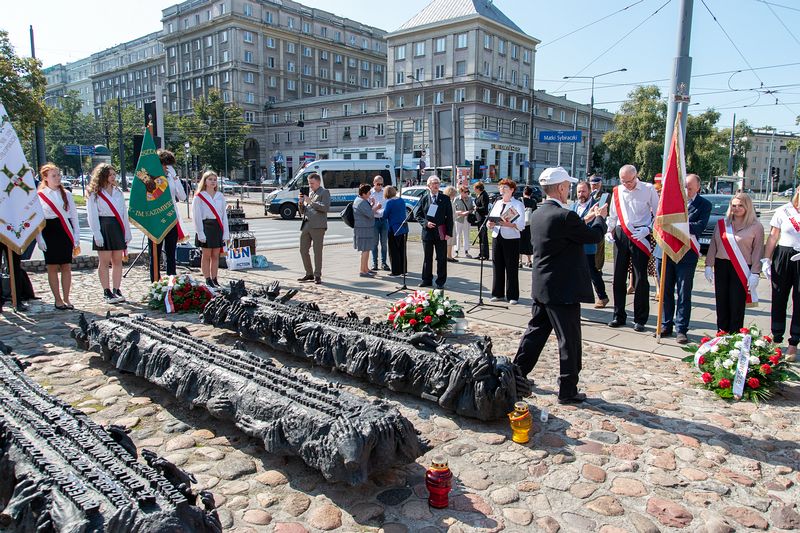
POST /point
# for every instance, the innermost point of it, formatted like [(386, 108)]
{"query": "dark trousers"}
[(483, 240), (505, 260), (597, 277), (730, 297), (628, 251), (678, 276), (397, 253), (785, 279), (166, 247), (21, 279), (565, 319), (440, 247)]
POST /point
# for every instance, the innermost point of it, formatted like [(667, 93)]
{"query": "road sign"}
[(560, 136), (78, 149)]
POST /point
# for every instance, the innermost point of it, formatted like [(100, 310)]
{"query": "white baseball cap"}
[(554, 175)]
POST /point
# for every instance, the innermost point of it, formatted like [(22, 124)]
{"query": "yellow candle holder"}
[(521, 423)]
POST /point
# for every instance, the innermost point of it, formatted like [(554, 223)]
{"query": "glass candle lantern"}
[(521, 423), (438, 481)]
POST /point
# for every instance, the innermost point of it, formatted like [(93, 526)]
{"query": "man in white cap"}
[(560, 280)]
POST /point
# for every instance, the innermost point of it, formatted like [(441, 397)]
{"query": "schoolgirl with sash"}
[(784, 273), (169, 245), (210, 225), (733, 263), (60, 238), (108, 219)]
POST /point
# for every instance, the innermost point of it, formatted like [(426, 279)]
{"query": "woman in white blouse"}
[(210, 225), (506, 220), (108, 219), (60, 239)]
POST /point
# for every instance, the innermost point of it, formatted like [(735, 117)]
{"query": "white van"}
[(340, 176)]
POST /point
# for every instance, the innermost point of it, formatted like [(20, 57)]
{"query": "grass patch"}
[(79, 200)]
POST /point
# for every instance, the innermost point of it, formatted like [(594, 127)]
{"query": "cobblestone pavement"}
[(649, 452)]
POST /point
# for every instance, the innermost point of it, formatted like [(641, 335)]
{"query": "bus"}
[(341, 177)]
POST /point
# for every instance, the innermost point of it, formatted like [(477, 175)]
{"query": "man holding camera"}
[(314, 203)]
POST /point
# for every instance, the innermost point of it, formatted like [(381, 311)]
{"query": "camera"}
[(304, 190)]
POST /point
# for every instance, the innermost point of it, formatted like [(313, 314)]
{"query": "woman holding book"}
[(506, 221), (210, 225)]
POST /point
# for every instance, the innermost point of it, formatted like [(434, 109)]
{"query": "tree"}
[(741, 144), (638, 134), (21, 89), (211, 124), (706, 151), (67, 125), (132, 124)]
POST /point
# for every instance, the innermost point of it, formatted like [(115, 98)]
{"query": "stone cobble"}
[(649, 452)]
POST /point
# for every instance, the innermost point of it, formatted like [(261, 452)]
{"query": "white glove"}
[(766, 268), (710, 275), (42, 245), (752, 282), (99, 242), (640, 234), (609, 238)]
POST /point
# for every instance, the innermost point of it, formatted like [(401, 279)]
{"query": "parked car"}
[(411, 196), (719, 206), (227, 185), (788, 193)]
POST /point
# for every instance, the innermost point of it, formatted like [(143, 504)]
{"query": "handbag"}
[(472, 218), (348, 216)]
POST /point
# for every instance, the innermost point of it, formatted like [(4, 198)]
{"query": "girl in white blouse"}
[(60, 238), (210, 225), (108, 219)]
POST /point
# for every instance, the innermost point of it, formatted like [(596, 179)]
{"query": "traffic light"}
[(777, 172), (772, 171), (277, 167)]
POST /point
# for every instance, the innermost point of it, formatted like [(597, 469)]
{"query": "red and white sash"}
[(792, 215), (695, 244), (737, 259), (623, 216), (61, 217), (202, 195), (107, 200)]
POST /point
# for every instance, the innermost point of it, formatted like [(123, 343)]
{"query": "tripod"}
[(405, 255), (480, 302)]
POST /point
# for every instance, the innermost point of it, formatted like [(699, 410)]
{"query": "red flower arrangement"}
[(423, 311), (179, 294)]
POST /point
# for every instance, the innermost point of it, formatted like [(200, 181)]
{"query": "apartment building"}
[(768, 152), (63, 79)]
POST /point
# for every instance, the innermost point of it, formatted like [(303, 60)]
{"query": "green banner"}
[(150, 207)]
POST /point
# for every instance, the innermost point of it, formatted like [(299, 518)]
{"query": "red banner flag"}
[(671, 228)]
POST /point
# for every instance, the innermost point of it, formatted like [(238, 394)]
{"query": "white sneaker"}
[(495, 299), (119, 297), (513, 302)]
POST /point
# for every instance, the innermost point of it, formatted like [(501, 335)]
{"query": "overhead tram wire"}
[(778, 5), (783, 24), (590, 24), (749, 66)]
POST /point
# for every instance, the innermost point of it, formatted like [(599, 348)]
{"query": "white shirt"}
[(789, 235), (641, 203), (504, 231), (71, 216), (201, 212), (377, 197), (97, 207), (176, 190)]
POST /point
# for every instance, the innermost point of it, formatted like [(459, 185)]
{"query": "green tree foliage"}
[(741, 144), (706, 151), (67, 125), (208, 127), (132, 124), (21, 89)]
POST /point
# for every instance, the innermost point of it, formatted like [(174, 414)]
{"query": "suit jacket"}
[(444, 215), (699, 211), (560, 272), (315, 214), (588, 249), (482, 206)]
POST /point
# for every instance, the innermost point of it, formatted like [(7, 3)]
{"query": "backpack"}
[(347, 215)]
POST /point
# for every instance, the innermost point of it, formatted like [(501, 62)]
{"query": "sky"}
[(760, 38)]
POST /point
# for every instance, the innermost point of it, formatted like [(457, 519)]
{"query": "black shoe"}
[(665, 332), (638, 327), (117, 293), (318, 281), (578, 398), (22, 307), (682, 338), (616, 324), (385, 267), (305, 278), (452, 260), (210, 282), (440, 287), (426, 284)]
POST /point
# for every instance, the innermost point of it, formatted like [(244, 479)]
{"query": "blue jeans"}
[(678, 276), (382, 237)]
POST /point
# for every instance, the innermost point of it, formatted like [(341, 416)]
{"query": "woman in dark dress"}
[(481, 212), (525, 245), (395, 213)]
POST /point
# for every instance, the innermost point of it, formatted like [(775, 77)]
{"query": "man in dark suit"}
[(583, 206), (314, 210), (435, 215), (560, 280), (681, 274)]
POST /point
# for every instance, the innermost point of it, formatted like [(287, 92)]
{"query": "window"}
[(380, 131), (290, 66), (460, 95), (337, 59), (398, 125), (486, 69), (226, 77), (362, 131), (250, 98), (419, 49), (379, 107), (306, 27), (247, 36), (500, 124), (275, 138), (399, 77), (485, 123), (287, 117), (562, 116), (401, 101), (351, 62), (290, 23), (420, 74), (249, 116), (346, 109), (301, 136), (221, 9), (323, 134), (461, 68), (487, 42), (501, 47), (438, 97), (363, 108), (248, 10), (323, 55), (439, 72), (306, 51), (288, 136), (198, 64), (524, 105), (248, 56), (365, 65), (418, 125), (440, 45), (308, 88), (171, 51), (500, 98), (210, 80), (525, 81), (487, 96), (337, 36), (289, 48), (550, 112), (306, 70), (420, 100), (270, 42), (323, 73), (512, 102), (514, 51), (352, 40), (461, 40), (170, 29), (291, 85), (323, 31), (223, 36), (324, 113), (351, 79), (225, 56), (271, 62), (346, 132), (338, 76), (209, 60), (364, 43), (400, 53), (501, 73), (249, 77)]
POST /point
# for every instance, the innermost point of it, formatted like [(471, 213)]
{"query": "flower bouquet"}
[(179, 294), (424, 311), (717, 360)]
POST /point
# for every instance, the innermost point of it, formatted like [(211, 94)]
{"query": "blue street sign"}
[(560, 136), (78, 149)]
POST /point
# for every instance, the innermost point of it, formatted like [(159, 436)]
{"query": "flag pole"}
[(12, 278), (664, 259)]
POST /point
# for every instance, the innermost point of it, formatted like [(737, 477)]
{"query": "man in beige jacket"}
[(314, 210)]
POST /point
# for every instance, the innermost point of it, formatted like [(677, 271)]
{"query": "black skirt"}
[(113, 236), (525, 244), (213, 234), (59, 244)]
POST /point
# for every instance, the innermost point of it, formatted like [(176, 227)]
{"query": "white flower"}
[(715, 348), (754, 360), (446, 303), (734, 354), (727, 363), (408, 299), (425, 304), (437, 292), (737, 344), (717, 363), (440, 312), (760, 343)]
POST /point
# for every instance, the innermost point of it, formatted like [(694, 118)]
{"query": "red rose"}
[(766, 369), (428, 319), (767, 338), (402, 313), (724, 384), (413, 321), (753, 383), (701, 361), (705, 340), (419, 310), (778, 352), (774, 359), (721, 333), (706, 377), (744, 330)]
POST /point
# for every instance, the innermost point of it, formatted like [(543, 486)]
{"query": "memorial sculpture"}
[(466, 379), (60, 471), (344, 437)]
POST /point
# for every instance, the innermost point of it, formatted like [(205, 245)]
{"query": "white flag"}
[(21, 216)]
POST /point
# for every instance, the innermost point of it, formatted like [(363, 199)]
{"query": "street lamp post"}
[(591, 111), (186, 147), (414, 78)]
